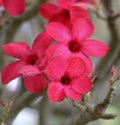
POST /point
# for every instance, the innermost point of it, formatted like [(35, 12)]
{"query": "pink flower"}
[(67, 79), (13, 7), (63, 13), (75, 42), (30, 63)]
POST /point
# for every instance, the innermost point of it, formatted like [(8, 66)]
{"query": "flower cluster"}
[(61, 53)]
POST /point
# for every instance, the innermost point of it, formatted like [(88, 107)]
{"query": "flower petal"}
[(59, 32), (87, 61), (58, 50), (70, 93), (11, 71), (1, 2), (55, 92), (64, 3), (76, 66), (88, 1), (85, 3), (49, 10), (35, 84), (82, 85), (56, 68), (16, 7), (82, 29), (41, 43), (29, 70), (94, 48), (17, 50), (77, 12)]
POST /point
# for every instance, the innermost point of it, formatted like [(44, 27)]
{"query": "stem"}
[(42, 110), (25, 100), (5, 112), (80, 119), (113, 54)]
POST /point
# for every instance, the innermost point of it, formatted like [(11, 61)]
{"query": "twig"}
[(5, 112), (113, 53), (24, 100)]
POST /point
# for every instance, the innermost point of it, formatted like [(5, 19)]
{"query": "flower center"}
[(66, 13), (32, 59), (74, 46), (65, 80)]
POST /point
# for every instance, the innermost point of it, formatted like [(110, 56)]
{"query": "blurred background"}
[(36, 109)]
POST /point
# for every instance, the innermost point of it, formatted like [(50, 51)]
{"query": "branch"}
[(113, 54), (80, 119), (42, 109), (24, 100), (6, 109)]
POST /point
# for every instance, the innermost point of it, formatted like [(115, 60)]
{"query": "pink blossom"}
[(13, 7), (75, 42), (30, 63), (63, 13), (68, 79)]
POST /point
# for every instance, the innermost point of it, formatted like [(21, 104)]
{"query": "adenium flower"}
[(30, 63), (63, 13), (13, 7), (75, 42), (68, 79)]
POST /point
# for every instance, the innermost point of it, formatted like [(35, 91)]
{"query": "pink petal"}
[(63, 17), (59, 32), (55, 92), (87, 61), (35, 84), (29, 70), (41, 43), (77, 12), (82, 85), (76, 66), (64, 3), (11, 71), (87, 1), (1, 2), (58, 50), (56, 68), (17, 50), (70, 93), (49, 10), (82, 29), (14, 7), (94, 48), (41, 63)]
